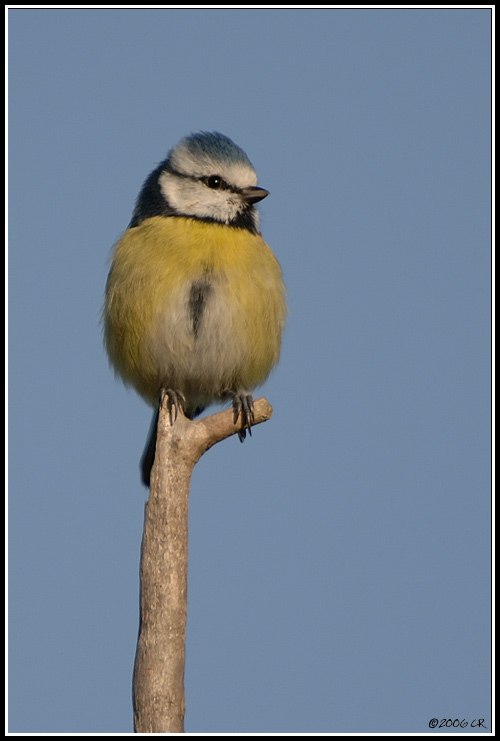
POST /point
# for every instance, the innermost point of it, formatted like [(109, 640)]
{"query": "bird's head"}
[(206, 176)]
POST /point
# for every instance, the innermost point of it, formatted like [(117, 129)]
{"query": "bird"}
[(195, 302)]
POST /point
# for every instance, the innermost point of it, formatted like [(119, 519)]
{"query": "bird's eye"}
[(214, 181)]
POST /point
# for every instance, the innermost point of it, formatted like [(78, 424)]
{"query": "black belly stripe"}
[(198, 295)]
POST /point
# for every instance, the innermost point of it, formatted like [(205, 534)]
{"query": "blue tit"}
[(195, 299)]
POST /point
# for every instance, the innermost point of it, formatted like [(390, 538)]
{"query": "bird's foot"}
[(176, 402), (242, 407)]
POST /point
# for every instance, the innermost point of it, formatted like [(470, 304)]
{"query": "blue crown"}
[(215, 145)]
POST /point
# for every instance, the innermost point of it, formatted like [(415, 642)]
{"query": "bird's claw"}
[(176, 402), (243, 406)]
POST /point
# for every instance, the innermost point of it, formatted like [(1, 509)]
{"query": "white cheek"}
[(221, 207), (178, 193), (195, 199)]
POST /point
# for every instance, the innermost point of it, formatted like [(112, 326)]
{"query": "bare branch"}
[(160, 658)]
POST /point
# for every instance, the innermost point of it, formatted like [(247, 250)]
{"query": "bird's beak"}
[(253, 194)]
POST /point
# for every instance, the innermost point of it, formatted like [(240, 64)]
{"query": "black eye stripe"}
[(214, 182)]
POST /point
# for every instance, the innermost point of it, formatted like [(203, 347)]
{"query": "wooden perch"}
[(158, 685)]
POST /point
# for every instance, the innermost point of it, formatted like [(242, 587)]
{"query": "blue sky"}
[(339, 560)]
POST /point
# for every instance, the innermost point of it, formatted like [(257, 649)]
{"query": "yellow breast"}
[(193, 306)]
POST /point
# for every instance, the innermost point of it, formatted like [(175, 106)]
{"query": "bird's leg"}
[(176, 402), (242, 406)]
